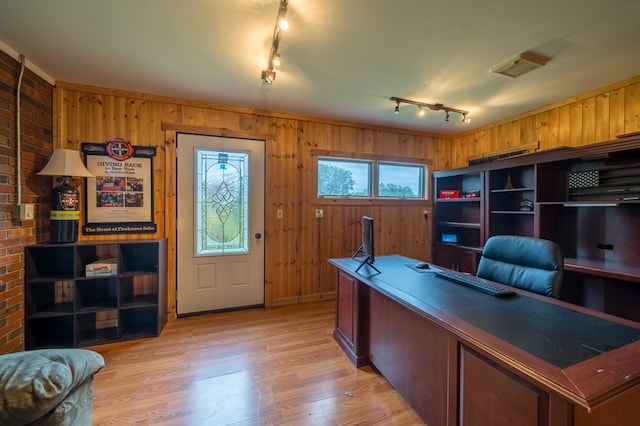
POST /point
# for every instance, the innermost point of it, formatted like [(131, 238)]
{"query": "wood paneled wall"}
[(298, 245), (596, 116)]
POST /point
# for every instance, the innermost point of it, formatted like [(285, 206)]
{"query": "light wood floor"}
[(276, 366)]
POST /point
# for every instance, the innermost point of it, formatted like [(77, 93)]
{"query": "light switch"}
[(27, 212), (23, 212)]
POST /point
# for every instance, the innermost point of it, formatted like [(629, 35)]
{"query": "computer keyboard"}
[(476, 284)]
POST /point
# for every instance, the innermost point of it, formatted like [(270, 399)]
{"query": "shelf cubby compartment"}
[(509, 189), (96, 328), (138, 323), (512, 179), (615, 183), (49, 298), (97, 293), (512, 223), (465, 184), (552, 181), (89, 253), (49, 331), (509, 200), (467, 235), (50, 261), (461, 216), (462, 212), (139, 257), (138, 290)]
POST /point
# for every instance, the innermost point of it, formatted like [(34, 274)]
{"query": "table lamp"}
[(65, 202)]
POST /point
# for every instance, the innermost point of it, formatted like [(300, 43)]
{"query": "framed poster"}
[(119, 198)]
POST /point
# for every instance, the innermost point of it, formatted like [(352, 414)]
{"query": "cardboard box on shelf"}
[(102, 267), (449, 193)]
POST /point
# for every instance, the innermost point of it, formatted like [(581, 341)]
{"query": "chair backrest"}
[(531, 264)]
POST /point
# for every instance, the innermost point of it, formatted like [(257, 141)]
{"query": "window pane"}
[(401, 180), (222, 219), (342, 178)]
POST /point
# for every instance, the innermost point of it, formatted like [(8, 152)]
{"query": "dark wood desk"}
[(462, 357)]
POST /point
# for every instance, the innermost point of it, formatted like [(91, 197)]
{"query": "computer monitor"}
[(366, 252)]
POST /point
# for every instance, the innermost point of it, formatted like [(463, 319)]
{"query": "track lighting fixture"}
[(268, 76), (434, 107), (275, 59)]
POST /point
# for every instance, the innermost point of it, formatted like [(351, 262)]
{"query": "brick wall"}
[(37, 145)]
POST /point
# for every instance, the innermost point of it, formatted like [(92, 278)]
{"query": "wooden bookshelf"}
[(586, 199)]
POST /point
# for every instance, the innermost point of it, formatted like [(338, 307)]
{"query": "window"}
[(397, 180), (355, 178), (344, 178)]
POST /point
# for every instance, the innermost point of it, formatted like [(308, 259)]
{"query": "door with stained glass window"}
[(220, 207)]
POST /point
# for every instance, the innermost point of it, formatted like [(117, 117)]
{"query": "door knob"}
[(258, 235)]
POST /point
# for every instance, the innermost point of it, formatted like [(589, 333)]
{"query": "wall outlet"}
[(319, 213), (24, 212), (279, 214)]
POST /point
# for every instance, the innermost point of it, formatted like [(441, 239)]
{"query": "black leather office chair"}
[(528, 263)]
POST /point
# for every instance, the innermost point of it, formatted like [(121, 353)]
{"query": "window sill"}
[(370, 202)]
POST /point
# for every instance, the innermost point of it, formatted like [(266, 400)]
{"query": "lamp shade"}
[(65, 162)]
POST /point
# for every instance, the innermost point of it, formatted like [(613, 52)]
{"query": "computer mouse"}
[(421, 265)]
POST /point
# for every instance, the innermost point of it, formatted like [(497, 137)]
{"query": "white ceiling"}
[(341, 58)]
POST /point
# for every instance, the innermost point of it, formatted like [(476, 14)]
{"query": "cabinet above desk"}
[(587, 199)]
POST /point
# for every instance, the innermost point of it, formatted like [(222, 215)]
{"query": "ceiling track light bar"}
[(275, 59), (434, 107)]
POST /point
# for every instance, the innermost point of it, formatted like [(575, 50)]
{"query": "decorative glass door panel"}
[(222, 194)]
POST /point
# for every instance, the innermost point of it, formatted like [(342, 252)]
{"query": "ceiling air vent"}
[(521, 64)]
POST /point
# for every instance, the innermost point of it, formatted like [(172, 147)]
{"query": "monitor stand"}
[(365, 261)]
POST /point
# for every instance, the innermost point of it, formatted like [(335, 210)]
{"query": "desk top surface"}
[(552, 332)]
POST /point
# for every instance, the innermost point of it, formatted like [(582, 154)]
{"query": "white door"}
[(220, 209)]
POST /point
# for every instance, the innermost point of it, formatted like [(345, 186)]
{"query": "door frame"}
[(170, 131)]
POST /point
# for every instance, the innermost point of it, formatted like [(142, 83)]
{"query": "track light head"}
[(421, 112), (465, 117), (397, 110), (268, 76), (446, 117), (282, 15), (276, 60)]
